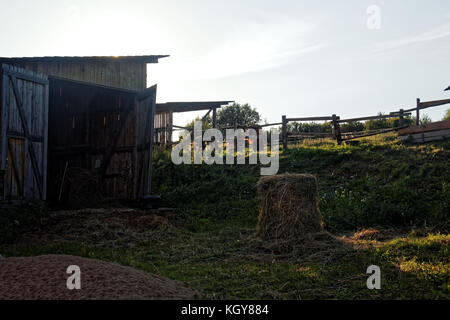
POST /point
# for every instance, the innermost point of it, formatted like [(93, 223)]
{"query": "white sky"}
[(299, 58)]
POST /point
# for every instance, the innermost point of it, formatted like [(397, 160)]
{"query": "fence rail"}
[(335, 121)]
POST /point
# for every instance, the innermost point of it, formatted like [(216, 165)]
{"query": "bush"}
[(365, 203)]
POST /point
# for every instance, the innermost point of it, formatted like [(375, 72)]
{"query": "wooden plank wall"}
[(126, 75), (427, 136), (145, 114), (163, 121), (19, 181), (84, 120), (438, 125)]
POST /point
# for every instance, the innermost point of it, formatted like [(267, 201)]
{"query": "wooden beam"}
[(310, 134), (417, 111), (337, 129), (401, 118), (428, 104), (370, 134), (383, 116), (206, 115), (284, 132), (27, 77), (311, 119), (214, 118), (179, 127), (270, 124)]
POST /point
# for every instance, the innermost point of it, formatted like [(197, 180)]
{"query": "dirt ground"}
[(45, 278), (102, 226)]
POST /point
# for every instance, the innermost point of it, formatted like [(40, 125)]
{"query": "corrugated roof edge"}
[(146, 59)]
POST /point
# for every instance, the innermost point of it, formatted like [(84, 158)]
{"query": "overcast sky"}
[(298, 58)]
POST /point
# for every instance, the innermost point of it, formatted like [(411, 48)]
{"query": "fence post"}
[(401, 121), (214, 118), (417, 111), (284, 131), (337, 128)]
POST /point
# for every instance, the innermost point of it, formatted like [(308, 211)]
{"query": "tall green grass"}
[(378, 182)]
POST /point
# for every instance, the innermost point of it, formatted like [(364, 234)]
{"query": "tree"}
[(447, 115), (242, 115), (206, 124)]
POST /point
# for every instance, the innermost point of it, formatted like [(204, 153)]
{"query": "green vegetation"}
[(377, 124), (242, 115), (447, 115), (227, 117), (378, 183)]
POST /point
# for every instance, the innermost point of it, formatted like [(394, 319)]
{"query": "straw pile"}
[(290, 223), (45, 278), (289, 207)]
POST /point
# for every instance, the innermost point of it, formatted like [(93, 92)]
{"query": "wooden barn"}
[(90, 113), (93, 113), (125, 72)]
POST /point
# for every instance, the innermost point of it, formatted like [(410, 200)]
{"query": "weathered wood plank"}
[(30, 147), (384, 116), (439, 125), (22, 122), (310, 119)]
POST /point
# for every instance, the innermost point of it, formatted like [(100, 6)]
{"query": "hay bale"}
[(289, 207)]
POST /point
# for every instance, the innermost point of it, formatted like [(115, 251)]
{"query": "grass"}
[(219, 266), (379, 183)]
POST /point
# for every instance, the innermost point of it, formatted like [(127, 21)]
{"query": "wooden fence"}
[(335, 121), (344, 136)]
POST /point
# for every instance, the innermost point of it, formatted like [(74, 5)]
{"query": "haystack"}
[(289, 207)]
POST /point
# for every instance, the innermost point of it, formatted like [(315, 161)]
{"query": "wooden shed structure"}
[(90, 113), (100, 118), (164, 116), (125, 72)]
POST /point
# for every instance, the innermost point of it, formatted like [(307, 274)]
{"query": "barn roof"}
[(145, 59)]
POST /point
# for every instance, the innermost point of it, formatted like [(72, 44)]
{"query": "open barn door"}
[(145, 114), (23, 145)]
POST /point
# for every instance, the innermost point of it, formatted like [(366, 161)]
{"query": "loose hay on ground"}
[(45, 277)]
